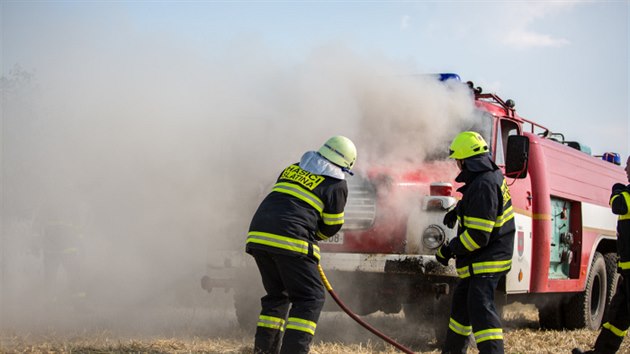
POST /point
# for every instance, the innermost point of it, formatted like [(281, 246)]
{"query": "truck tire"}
[(612, 279), (586, 309)]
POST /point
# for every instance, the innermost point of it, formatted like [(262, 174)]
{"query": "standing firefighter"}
[(483, 248), (305, 205), (613, 331), (60, 228)]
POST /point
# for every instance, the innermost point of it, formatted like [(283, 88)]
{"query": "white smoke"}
[(168, 150)]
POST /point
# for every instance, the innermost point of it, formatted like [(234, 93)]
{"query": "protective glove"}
[(450, 218), (444, 254)]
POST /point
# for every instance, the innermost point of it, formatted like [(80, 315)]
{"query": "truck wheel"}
[(586, 309), (612, 278)]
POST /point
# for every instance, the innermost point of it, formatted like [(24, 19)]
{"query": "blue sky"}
[(565, 63)]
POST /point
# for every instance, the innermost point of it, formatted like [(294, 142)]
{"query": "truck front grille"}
[(360, 208)]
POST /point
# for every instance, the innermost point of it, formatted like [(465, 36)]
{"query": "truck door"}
[(518, 278)]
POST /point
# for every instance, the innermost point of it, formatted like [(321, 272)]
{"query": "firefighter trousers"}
[(616, 327), (473, 312), (290, 281)]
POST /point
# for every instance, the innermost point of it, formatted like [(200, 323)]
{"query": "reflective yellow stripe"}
[(478, 223), (321, 236), (71, 250), (299, 324), (626, 216), (301, 194), (508, 214), (463, 272), (618, 332), (271, 322), (332, 219), (489, 334), (287, 243), (491, 267), (468, 242), (459, 328), (624, 265)]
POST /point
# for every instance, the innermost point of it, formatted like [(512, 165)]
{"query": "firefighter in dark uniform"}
[(60, 227), (613, 331), (483, 247), (305, 205)]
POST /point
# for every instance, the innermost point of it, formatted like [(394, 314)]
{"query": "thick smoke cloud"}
[(161, 152)]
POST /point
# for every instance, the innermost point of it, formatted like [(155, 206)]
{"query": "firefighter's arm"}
[(333, 214), (619, 201), (478, 220)]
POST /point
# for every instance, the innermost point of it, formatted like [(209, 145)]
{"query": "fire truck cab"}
[(564, 258)]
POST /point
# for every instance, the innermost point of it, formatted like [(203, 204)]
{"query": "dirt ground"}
[(216, 331)]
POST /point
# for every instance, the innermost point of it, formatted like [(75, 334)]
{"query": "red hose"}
[(359, 320)]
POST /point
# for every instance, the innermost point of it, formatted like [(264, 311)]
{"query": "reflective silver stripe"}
[(332, 219), (321, 236), (299, 324), (300, 193), (271, 322), (316, 252), (468, 242), (489, 334), (463, 272), (478, 223), (278, 241), (491, 266), (507, 215), (459, 328)]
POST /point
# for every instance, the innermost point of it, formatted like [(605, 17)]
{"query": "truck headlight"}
[(433, 237)]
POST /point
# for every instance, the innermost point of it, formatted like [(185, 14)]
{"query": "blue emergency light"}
[(448, 76), (612, 157)]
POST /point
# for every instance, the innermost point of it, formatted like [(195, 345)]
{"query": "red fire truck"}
[(564, 257)]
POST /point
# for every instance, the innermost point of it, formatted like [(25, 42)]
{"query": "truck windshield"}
[(481, 122)]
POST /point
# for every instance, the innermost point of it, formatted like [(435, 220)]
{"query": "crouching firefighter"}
[(483, 248), (305, 205)]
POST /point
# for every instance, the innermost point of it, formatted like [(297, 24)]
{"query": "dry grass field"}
[(337, 334)]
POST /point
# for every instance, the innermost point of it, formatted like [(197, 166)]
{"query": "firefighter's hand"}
[(450, 218), (618, 188), (444, 254)]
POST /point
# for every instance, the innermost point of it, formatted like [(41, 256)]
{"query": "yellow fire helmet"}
[(340, 151), (467, 144)]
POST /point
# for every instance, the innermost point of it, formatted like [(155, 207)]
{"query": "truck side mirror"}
[(517, 156)]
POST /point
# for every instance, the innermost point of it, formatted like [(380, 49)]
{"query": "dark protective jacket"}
[(301, 209), (620, 204), (485, 240)]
